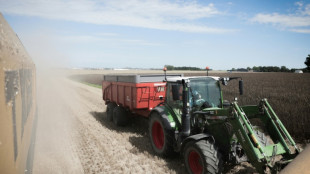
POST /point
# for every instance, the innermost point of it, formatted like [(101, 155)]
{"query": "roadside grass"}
[(85, 82), (93, 85)]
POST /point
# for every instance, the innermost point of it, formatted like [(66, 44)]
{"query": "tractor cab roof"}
[(178, 79)]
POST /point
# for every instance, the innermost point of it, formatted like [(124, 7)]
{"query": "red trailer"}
[(137, 94)]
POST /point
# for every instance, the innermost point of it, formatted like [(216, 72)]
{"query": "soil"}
[(74, 136)]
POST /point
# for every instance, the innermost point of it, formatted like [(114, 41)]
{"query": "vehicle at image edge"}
[(18, 104), (188, 115)]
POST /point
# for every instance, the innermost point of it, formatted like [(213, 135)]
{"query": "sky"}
[(153, 33)]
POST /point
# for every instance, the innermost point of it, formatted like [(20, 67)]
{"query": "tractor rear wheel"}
[(110, 109), (202, 157), (120, 116), (161, 136)]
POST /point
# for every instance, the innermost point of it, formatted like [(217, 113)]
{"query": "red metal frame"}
[(139, 98)]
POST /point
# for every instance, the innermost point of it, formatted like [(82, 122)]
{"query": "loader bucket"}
[(274, 156)]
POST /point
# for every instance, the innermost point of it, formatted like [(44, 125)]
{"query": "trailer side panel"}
[(135, 92)]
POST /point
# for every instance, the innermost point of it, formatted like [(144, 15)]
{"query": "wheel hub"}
[(195, 163), (158, 135)]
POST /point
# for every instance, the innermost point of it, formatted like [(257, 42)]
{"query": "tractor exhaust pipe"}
[(185, 112)]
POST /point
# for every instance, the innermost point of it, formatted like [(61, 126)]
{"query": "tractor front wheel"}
[(202, 157), (161, 136)]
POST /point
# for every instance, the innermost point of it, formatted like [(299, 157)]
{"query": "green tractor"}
[(209, 132)]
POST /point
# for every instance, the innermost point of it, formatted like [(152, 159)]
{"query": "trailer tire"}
[(202, 157), (120, 116), (161, 136), (110, 109)]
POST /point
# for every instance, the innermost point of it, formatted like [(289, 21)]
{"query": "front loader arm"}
[(262, 156)]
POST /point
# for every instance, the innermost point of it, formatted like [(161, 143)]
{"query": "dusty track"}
[(73, 135)]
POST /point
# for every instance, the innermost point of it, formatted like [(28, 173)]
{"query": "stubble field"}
[(74, 135), (288, 94)]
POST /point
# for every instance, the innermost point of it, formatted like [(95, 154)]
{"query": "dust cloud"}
[(46, 50), (73, 135)]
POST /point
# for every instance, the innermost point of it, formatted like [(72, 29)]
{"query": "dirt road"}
[(73, 135)]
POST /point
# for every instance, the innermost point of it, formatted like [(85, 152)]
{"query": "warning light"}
[(207, 68), (165, 70)]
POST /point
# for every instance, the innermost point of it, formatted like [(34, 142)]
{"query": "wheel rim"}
[(158, 135), (195, 162)]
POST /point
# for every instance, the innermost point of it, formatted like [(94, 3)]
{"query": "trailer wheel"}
[(110, 109), (202, 157), (120, 116), (161, 136)]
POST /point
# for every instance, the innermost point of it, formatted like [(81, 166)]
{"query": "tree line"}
[(271, 69), (275, 68), (255, 68), (171, 67), (267, 69)]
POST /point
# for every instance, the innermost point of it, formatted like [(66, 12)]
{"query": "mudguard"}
[(168, 121), (195, 137)]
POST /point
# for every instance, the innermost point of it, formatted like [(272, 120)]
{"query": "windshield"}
[(204, 92)]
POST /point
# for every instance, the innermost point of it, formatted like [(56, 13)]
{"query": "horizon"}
[(201, 69)]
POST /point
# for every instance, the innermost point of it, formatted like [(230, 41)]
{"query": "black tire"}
[(110, 109), (161, 136), (120, 116), (202, 157)]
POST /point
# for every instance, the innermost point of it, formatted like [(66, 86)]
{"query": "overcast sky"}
[(153, 33)]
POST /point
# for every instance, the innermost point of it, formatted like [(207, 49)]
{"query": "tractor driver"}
[(195, 99)]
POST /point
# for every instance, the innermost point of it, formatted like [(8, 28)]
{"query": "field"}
[(74, 135), (288, 94)]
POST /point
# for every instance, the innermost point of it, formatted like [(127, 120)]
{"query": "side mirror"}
[(225, 80), (241, 87), (175, 92)]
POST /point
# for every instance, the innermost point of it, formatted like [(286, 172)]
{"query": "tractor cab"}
[(205, 93), (201, 92)]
